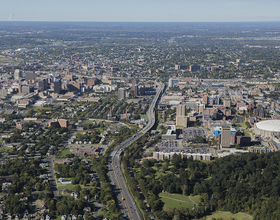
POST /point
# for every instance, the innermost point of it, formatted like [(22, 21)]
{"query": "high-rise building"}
[(74, 86), (227, 103), (17, 74), (3, 92), (194, 68), (42, 85), (26, 89), (181, 118), (181, 110), (171, 82), (30, 75), (225, 138), (135, 89), (20, 89), (121, 94), (134, 81), (57, 86), (180, 67)]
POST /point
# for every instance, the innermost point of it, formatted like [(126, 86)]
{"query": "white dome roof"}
[(269, 125)]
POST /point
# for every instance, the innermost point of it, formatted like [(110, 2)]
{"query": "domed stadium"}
[(269, 128)]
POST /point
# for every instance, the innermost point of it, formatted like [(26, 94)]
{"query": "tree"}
[(248, 124)]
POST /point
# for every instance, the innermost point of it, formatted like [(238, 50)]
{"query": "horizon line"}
[(152, 21)]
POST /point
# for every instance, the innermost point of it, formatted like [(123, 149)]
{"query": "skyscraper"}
[(181, 118), (42, 85), (121, 94), (225, 137), (171, 82), (57, 86), (135, 89), (30, 75), (17, 74)]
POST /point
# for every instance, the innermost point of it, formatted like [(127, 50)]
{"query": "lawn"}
[(175, 200), (228, 216), (88, 121), (246, 133), (5, 149), (196, 199), (67, 186), (42, 108), (64, 152), (176, 196)]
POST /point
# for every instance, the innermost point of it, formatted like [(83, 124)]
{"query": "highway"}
[(127, 205)]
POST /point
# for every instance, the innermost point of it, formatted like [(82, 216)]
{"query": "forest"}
[(246, 182)]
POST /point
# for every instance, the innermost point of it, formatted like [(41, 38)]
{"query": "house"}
[(43, 176), (42, 165), (75, 195), (87, 209), (25, 216), (63, 181), (5, 186), (17, 217), (66, 191)]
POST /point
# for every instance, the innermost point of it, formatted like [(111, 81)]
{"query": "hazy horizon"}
[(144, 11)]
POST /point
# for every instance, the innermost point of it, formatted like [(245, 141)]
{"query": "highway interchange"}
[(127, 205)]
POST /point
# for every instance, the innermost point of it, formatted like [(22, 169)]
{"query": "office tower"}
[(30, 75), (42, 85), (171, 82), (3, 92), (121, 94), (135, 89), (181, 118), (57, 86), (134, 81), (26, 89), (227, 103), (225, 137), (74, 86), (194, 68), (180, 67), (181, 110), (17, 74), (20, 89)]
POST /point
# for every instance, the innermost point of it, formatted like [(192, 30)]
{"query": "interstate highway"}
[(127, 205)]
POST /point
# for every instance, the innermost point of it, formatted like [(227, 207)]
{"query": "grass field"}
[(176, 200), (42, 108), (6, 60), (88, 121), (64, 152), (228, 216), (67, 186), (196, 199)]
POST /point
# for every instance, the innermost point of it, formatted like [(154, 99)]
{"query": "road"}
[(52, 177), (127, 205)]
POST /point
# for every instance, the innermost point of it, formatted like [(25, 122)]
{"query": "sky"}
[(140, 10)]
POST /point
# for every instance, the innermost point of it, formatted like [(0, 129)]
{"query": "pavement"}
[(52, 177), (126, 202)]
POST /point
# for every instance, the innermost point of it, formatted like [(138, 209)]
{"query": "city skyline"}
[(144, 11)]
